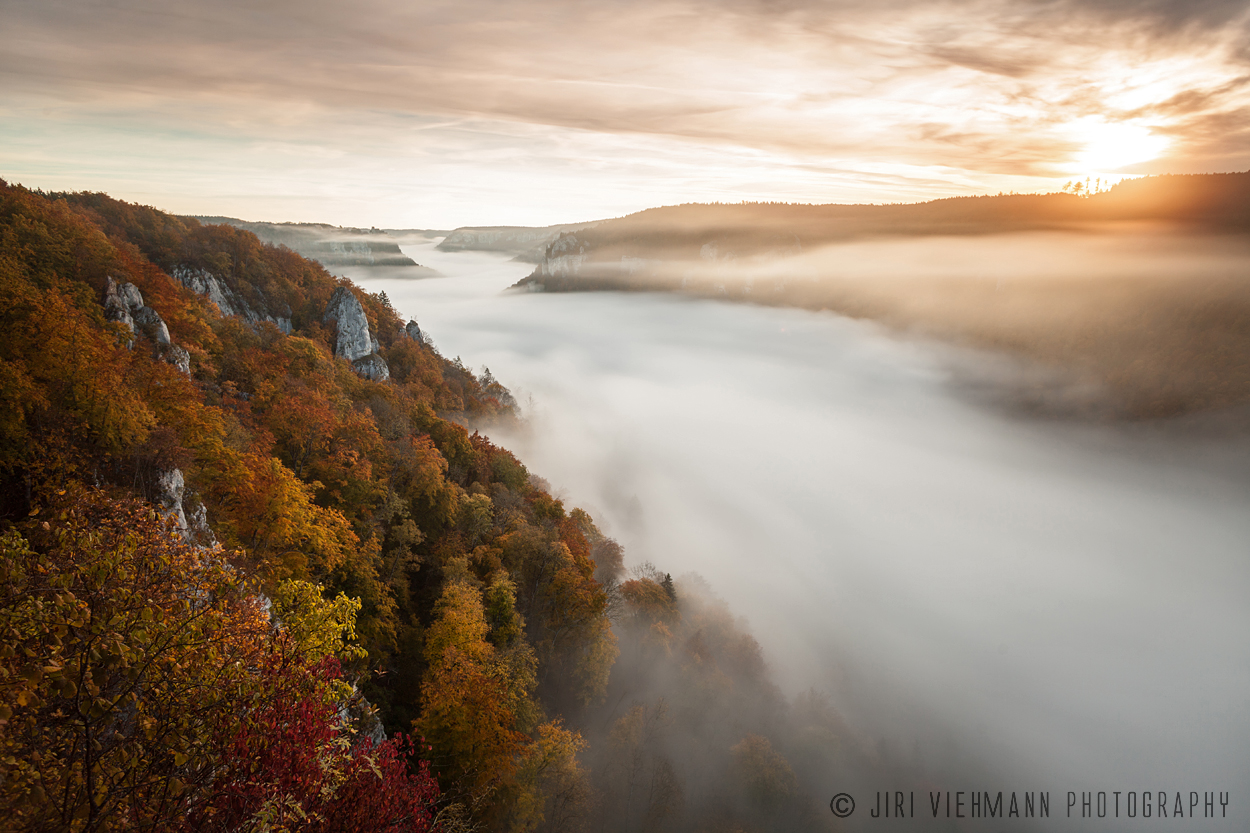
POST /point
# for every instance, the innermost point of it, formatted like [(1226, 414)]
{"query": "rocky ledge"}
[(123, 303)]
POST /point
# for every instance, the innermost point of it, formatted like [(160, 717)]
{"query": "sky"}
[(432, 114)]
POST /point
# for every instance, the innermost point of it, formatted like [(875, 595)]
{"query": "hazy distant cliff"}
[(333, 245), (528, 244), (634, 246), (1138, 296)]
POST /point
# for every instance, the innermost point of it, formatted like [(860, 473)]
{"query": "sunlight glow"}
[(1110, 146)]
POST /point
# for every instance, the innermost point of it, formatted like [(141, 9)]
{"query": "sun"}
[(1109, 146)]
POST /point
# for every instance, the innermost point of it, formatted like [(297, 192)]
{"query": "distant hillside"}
[(336, 246), (1216, 201), (1138, 296), (526, 243)]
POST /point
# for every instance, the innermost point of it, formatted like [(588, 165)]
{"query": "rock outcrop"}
[(170, 487), (117, 304), (150, 321), (227, 301), (352, 339), (179, 358), (123, 302), (413, 331), (372, 367), (203, 282), (198, 530), (130, 295), (564, 258), (528, 244), (172, 495)]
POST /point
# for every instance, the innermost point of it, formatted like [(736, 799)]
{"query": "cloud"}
[(1163, 16), (980, 89)]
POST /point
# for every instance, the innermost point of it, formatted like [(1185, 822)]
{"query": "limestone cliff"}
[(117, 306), (170, 488), (173, 496), (573, 256), (372, 367), (333, 246), (227, 301), (123, 302), (617, 255), (529, 244), (352, 339), (564, 257)]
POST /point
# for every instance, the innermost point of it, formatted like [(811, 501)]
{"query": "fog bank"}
[(1120, 320), (992, 603)]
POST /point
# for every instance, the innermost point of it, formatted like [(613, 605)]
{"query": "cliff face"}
[(357, 253), (227, 301), (171, 496), (123, 303), (352, 338), (528, 244), (335, 246), (118, 302), (564, 257)]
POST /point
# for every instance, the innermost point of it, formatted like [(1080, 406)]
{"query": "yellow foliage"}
[(552, 785), (461, 624), (122, 647), (763, 773), (317, 626)]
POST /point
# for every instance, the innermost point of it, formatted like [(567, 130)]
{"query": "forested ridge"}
[(1128, 303), (1210, 201), (234, 564)]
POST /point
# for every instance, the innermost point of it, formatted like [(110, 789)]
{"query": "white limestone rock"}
[(130, 293), (372, 367), (124, 302), (227, 301), (198, 530), (414, 332), (153, 326), (115, 306), (353, 340), (564, 257), (203, 282), (170, 487), (179, 358), (172, 496)]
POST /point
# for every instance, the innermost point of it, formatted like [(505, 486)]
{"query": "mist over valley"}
[(1128, 303), (988, 598)]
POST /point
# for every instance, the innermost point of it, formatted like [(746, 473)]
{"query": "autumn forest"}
[(249, 581)]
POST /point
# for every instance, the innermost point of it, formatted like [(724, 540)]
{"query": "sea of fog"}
[(992, 603)]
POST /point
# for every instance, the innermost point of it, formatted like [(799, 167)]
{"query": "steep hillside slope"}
[(243, 519)]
